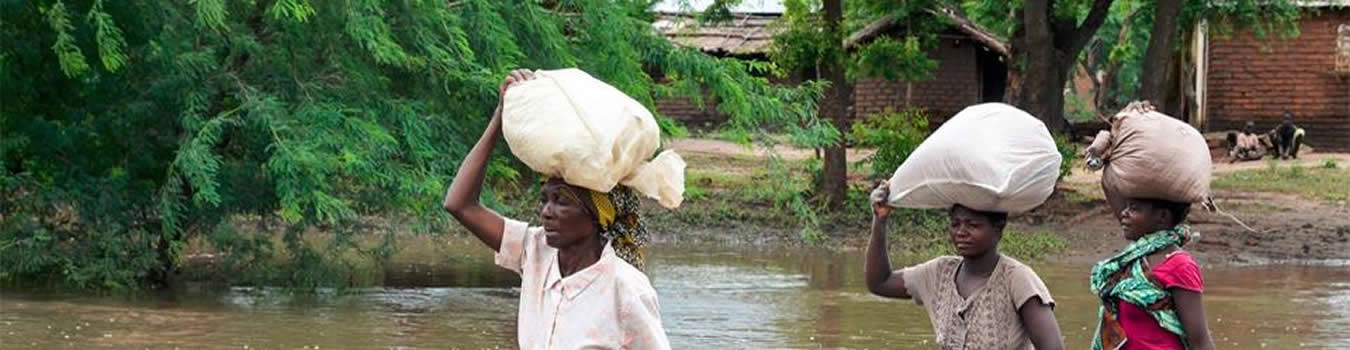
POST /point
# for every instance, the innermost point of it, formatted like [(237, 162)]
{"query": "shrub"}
[(894, 135), (1069, 150)]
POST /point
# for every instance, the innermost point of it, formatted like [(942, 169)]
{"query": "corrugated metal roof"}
[(1299, 3), (1323, 3), (763, 7), (742, 35)]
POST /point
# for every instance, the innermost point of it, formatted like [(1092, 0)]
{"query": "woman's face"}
[(1140, 218), (972, 233), (566, 221)]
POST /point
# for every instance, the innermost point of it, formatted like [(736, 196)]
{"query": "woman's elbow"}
[(874, 288), (880, 289), (455, 206)]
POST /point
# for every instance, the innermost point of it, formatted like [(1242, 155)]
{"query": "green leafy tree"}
[(814, 44), (129, 128), (895, 136), (1136, 64), (1048, 38)]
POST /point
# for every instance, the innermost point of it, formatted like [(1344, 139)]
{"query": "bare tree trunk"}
[(909, 94), (1171, 92), (1042, 92), (1049, 49), (834, 184), (1153, 83)]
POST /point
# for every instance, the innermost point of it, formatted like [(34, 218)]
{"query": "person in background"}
[(581, 287), (978, 300), (1151, 290), (1247, 145), (1287, 137)]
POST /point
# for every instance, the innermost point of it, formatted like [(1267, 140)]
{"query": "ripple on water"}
[(711, 299)]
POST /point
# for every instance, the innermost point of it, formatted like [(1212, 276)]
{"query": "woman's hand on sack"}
[(515, 77), (1093, 158), (1095, 163), (879, 198)]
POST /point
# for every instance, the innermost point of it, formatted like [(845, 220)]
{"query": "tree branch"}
[(1094, 20)]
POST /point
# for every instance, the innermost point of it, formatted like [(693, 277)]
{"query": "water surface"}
[(711, 297)]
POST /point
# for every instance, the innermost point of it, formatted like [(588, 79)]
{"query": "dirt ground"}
[(708, 146), (1284, 227)]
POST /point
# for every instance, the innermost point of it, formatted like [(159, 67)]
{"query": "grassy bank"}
[(730, 199), (1329, 181), (735, 200)]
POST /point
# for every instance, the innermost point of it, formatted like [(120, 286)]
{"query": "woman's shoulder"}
[(1012, 265), (629, 280), (1017, 273), (1179, 260), (1022, 283), (1179, 270), (944, 261)]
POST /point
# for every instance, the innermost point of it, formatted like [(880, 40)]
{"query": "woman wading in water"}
[(1150, 291), (581, 287), (978, 300)]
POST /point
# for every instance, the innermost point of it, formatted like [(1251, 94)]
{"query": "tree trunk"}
[(1153, 83), (1042, 91), (1171, 92), (1049, 49), (834, 184)]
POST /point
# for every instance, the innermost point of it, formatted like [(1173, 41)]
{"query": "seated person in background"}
[(1287, 137), (1246, 145)]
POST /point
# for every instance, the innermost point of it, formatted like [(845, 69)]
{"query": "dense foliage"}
[(130, 128), (1115, 56), (895, 135), (1118, 52)]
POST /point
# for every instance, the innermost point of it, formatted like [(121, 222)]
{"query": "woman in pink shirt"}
[(579, 286), (1150, 291)]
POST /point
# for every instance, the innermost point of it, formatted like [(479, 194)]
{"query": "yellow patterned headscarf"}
[(616, 213)]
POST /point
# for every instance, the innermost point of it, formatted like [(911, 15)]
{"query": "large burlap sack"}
[(568, 124), (989, 157), (1154, 156)]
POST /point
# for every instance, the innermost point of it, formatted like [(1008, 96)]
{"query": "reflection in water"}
[(710, 298)]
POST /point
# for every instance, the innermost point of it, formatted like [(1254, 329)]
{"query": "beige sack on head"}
[(1154, 156), (568, 124)]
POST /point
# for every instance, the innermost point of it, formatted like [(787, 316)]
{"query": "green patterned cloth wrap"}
[(1134, 286)]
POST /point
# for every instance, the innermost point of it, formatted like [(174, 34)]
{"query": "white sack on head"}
[(988, 157), (570, 125)]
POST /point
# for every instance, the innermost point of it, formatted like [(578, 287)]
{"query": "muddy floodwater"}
[(711, 298)]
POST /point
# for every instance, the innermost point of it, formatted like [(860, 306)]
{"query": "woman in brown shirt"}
[(979, 300)]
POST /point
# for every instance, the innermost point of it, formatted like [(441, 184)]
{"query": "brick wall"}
[(955, 84), (1255, 80), (685, 111)]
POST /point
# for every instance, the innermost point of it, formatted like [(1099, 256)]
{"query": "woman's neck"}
[(982, 265), (1154, 230), (580, 256)]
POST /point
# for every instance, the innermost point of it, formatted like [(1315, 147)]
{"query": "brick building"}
[(970, 68), (746, 37), (1243, 78)]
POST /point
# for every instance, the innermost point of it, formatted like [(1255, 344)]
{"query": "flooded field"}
[(711, 297)]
